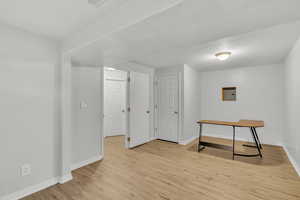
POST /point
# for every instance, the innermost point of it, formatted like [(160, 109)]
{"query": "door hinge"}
[(156, 106), (155, 130), (128, 79), (128, 109), (128, 139), (155, 83)]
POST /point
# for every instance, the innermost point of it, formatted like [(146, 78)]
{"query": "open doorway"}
[(114, 105), (108, 103), (126, 107)]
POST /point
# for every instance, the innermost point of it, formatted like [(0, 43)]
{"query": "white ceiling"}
[(192, 32), (52, 18), (264, 46), (188, 33)]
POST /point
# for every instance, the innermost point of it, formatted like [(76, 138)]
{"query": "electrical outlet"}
[(25, 170)]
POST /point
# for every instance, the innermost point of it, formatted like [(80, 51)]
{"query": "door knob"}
[(175, 112), (123, 111), (148, 111)]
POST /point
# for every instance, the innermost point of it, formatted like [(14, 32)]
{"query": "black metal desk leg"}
[(257, 138), (256, 142), (253, 130), (200, 147), (233, 143)]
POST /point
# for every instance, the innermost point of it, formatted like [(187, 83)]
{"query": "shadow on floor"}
[(272, 155)]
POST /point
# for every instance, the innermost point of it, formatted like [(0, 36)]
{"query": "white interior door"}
[(114, 107), (139, 120), (168, 110)]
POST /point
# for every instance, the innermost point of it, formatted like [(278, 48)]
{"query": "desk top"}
[(241, 123)]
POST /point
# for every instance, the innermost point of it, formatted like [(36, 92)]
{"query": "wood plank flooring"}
[(168, 171)]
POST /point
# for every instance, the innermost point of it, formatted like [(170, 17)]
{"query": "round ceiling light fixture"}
[(109, 69), (223, 55)]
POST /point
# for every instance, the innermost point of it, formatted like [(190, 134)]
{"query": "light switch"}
[(25, 170), (83, 105)]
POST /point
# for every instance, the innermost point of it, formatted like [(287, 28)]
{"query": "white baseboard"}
[(153, 138), (185, 142), (65, 178), (237, 138), (36, 188), (114, 135), (47, 183), (86, 162), (31, 189), (292, 160)]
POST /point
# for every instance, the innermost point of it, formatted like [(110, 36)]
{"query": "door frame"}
[(126, 144), (127, 103), (65, 96), (180, 102)]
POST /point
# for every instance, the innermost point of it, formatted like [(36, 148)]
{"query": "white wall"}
[(191, 101), (19, 45), (292, 104), (259, 96), (86, 114), (29, 104)]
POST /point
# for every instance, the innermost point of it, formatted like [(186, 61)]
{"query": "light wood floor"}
[(168, 171)]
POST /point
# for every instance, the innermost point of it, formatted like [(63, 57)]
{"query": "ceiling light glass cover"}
[(223, 55), (109, 68)]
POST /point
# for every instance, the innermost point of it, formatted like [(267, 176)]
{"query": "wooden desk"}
[(241, 123), (251, 124)]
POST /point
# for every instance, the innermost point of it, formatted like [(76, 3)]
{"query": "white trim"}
[(237, 138), (115, 135), (31, 189), (102, 131), (185, 142), (180, 106), (224, 137), (151, 106), (86, 162), (65, 178), (36, 188), (114, 79), (153, 138), (127, 128), (292, 160), (66, 114)]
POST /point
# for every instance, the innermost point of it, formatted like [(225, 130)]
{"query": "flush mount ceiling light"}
[(110, 69), (223, 55)]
